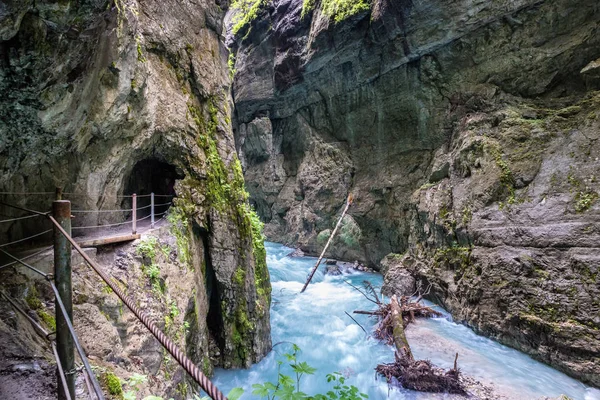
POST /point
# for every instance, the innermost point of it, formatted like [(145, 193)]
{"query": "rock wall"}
[(467, 133), (93, 89)]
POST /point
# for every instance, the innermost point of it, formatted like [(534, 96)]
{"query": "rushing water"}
[(331, 341)]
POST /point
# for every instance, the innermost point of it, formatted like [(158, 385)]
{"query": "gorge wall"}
[(467, 133), (96, 94)]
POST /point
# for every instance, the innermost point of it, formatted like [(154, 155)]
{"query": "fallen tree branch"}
[(312, 273), (361, 327)]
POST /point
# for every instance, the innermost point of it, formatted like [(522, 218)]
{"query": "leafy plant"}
[(246, 12), (134, 383), (147, 248), (288, 388), (338, 10)]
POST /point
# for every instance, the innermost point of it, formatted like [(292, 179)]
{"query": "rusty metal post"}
[(61, 210), (134, 214), (152, 210)]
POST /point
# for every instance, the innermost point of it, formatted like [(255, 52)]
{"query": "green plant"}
[(246, 11), (140, 53), (179, 228), (584, 200), (288, 388), (147, 248), (113, 384), (338, 10), (32, 299), (231, 64), (134, 383), (48, 319)]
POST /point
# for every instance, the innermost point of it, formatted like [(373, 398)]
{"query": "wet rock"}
[(296, 253), (103, 97), (333, 270), (397, 279), (320, 87), (331, 262), (479, 159)]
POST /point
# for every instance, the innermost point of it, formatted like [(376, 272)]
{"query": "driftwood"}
[(400, 340), (312, 273), (420, 375)]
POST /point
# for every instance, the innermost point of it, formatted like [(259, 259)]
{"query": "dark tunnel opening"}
[(151, 176)]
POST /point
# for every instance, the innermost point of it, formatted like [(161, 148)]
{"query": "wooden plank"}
[(108, 240)]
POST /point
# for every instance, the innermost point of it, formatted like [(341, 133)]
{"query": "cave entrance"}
[(151, 176)]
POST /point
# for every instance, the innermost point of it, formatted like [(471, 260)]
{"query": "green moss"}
[(323, 236), (584, 200), (113, 384), (246, 11), (239, 276), (338, 10), (48, 319), (140, 53), (467, 214), (179, 227), (506, 176), (456, 258), (350, 234), (32, 299), (231, 64), (148, 248)]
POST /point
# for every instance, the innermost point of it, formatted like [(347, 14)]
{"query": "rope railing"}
[(100, 211), (25, 193), (80, 351), (27, 238), (102, 226), (46, 335), (18, 218), (27, 257), (179, 356), (69, 324)]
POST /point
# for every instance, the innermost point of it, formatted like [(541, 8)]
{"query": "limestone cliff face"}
[(98, 93), (467, 133)]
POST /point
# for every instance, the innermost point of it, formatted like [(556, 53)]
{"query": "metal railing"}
[(61, 223)]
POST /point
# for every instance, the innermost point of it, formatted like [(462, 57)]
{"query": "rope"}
[(84, 359), (185, 362), (28, 257), (26, 265), (102, 226), (164, 195), (142, 208), (63, 378), (146, 217), (99, 211), (41, 330), (23, 209), (27, 238), (26, 193), (162, 204), (18, 218)]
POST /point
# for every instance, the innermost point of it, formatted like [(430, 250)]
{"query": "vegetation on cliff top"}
[(338, 10), (248, 10)]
